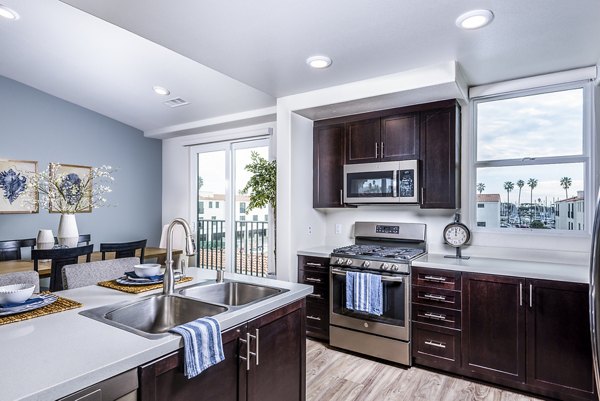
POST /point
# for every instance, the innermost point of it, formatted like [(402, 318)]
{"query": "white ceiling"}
[(263, 44)]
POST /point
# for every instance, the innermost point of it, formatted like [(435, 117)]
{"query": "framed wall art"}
[(15, 177), (71, 188)]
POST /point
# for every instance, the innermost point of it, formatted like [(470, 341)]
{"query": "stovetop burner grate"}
[(378, 252)]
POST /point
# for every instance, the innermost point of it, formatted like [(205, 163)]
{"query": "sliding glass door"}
[(230, 235)]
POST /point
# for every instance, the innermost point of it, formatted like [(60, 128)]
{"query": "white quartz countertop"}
[(49, 357), (319, 251), (507, 267)]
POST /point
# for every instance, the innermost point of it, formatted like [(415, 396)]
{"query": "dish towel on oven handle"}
[(202, 345), (364, 293)]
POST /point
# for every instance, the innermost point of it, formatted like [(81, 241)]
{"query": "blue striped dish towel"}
[(202, 345), (364, 293)]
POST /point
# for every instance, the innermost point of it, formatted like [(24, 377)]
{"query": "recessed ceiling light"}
[(7, 13), (159, 90), (318, 61), (474, 19)]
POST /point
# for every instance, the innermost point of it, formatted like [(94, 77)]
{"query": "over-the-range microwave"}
[(385, 182)]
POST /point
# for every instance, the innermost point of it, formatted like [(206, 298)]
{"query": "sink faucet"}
[(190, 249)]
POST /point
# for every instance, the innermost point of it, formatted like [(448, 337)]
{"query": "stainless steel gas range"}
[(384, 249)]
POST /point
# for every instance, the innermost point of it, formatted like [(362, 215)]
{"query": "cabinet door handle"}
[(422, 194), (248, 353), (315, 296), (341, 197), (437, 279), (312, 280), (530, 295), (376, 144), (436, 316), (382, 149), (520, 294), (256, 338), (435, 344), (313, 318), (435, 297)]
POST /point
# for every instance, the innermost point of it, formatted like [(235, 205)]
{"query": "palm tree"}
[(508, 186), (480, 187), (531, 183), (566, 182), (520, 184)]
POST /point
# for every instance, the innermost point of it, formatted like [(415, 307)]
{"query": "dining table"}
[(44, 267)]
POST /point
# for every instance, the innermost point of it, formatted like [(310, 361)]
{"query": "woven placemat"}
[(136, 289), (60, 305)]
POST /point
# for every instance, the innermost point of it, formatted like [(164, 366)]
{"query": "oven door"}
[(395, 320)]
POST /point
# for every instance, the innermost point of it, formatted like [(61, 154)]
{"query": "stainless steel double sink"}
[(154, 315)]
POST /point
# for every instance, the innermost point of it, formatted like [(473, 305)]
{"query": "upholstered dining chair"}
[(124, 249), (83, 274), (11, 249), (29, 277), (60, 257)]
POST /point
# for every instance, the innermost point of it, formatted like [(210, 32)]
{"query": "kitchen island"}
[(50, 357)]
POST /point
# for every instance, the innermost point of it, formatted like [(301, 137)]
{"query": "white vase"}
[(45, 239), (67, 231)]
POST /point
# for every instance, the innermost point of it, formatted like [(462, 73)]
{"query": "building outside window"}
[(200, 207), (210, 204), (216, 205), (242, 207), (254, 217), (531, 159)]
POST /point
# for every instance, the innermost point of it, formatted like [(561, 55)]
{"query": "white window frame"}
[(587, 158)]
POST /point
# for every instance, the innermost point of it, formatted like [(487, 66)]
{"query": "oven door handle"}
[(383, 278)]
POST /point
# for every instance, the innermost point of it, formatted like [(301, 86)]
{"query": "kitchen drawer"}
[(446, 279), (436, 297), (436, 347), (317, 319), (312, 277), (313, 262), (437, 316), (320, 294)]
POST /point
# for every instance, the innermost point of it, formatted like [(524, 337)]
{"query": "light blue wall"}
[(38, 126)]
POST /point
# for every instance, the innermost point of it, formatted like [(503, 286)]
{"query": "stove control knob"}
[(395, 267), (366, 263), (385, 266), (349, 262), (340, 261)]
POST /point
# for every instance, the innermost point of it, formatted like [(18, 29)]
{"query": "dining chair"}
[(60, 257), (83, 274), (124, 249), (83, 239), (29, 277), (11, 249)]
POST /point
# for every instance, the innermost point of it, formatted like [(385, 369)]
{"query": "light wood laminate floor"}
[(335, 375)]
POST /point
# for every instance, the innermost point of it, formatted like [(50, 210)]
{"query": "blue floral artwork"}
[(13, 184), (71, 188)]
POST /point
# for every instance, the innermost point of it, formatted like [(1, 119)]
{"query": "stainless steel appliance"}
[(595, 293), (386, 182), (386, 249)]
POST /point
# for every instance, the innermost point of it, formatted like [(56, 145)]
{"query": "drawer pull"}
[(437, 279), (433, 297), (313, 264), (435, 344), (312, 280), (436, 316), (315, 296), (313, 318)]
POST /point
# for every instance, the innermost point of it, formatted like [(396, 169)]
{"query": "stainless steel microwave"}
[(386, 182)]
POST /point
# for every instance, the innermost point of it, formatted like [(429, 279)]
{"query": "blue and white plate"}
[(128, 281), (44, 299)]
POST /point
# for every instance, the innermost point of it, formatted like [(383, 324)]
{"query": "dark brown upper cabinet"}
[(427, 132), (328, 166), (383, 139), (440, 155)]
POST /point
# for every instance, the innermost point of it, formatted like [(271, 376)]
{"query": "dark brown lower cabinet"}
[(559, 351), (275, 371), (529, 334), (493, 338)]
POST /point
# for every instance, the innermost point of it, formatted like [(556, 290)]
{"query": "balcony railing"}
[(251, 241)]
